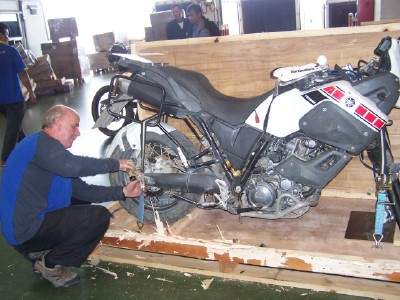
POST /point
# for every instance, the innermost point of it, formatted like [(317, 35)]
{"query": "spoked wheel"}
[(161, 157), (99, 103)]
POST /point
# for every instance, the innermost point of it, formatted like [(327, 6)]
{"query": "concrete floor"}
[(18, 282)]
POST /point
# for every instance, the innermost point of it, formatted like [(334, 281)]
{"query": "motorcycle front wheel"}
[(99, 104), (161, 157)]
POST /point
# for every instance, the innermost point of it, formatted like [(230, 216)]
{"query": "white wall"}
[(8, 5), (387, 9), (390, 9), (35, 26), (230, 15), (312, 14)]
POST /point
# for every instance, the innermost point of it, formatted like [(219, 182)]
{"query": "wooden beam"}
[(356, 266), (264, 275)]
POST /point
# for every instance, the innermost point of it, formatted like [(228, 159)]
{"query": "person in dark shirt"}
[(201, 26), (45, 210), (179, 27), (12, 102)]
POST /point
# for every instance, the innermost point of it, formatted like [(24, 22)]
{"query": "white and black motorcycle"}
[(265, 157)]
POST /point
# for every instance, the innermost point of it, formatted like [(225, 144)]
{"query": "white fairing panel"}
[(285, 114), (132, 132), (288, 108), (394, 53)]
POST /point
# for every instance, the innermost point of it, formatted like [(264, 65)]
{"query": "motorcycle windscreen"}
[(394, 54), (332, 125)]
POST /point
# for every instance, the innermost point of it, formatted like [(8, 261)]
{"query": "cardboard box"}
[(64, 27), (50, 83), (42, 69), (64, 59), (161, 18), (98, 61), (159, 32), (103, 42)]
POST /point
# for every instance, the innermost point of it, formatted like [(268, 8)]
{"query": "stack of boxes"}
[(99, 61), (45, 80), (64, 55)]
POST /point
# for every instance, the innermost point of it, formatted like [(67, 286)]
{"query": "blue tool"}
[(140, 211)]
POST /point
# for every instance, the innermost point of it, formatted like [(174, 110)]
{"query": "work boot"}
[(34, 256), (59, 276)]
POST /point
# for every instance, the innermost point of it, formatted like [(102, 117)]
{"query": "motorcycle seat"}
[(195, 92), (232, 110)]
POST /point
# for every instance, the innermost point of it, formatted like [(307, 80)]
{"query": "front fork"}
[(387, 185)]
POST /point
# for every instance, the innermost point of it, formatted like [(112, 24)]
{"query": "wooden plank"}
[(264, 275), (356, 266), (240, 66)]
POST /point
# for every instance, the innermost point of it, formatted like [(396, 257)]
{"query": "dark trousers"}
[(70, 234), (14, 113)]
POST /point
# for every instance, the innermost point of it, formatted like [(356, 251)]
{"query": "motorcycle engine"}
[(274, 195)]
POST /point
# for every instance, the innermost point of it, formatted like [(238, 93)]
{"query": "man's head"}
[(194, 13), (4, 31), (62, 123), (177, 12)]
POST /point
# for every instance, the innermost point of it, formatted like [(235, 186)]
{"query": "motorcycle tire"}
[(98, 106), (169, 209)]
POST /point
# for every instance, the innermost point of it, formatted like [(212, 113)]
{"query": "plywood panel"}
[(240, 66)]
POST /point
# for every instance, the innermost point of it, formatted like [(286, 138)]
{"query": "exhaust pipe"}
[(188, 183)]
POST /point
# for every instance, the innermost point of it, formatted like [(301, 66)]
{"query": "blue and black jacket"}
[(41, 176)]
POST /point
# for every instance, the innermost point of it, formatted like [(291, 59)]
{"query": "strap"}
[(380, 217)]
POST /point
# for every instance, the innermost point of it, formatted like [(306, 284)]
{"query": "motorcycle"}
[(267, 156)]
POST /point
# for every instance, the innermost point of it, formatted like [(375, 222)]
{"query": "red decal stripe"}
[(338, 95), (329, 89), (370, 117), (360, 110), (379, 124)]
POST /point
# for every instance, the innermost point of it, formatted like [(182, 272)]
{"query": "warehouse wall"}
[(387, 9)]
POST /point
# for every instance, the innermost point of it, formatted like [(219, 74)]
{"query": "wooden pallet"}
[(313, 243)]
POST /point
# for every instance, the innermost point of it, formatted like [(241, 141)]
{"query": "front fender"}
[(130, 136)]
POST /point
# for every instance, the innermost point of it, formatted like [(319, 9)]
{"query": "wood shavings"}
[(115, 275), (159, 224), (205, 284), (129, 274), (163, 279), (220, 233)]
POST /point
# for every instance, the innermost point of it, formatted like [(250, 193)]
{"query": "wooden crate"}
[(216, 242), (103, 42), (240, 66), (98, 61)]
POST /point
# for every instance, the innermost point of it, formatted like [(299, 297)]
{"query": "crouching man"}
[(39, 196)]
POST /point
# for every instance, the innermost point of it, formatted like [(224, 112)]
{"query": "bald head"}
[(61, 123), (55, 113)]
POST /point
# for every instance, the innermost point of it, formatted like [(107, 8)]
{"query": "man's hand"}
[(126, 165), (132, 189)]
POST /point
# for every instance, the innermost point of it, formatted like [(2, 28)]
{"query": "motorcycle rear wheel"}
[(161, 157), (99, 103)]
